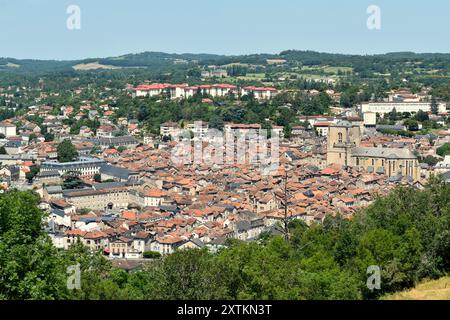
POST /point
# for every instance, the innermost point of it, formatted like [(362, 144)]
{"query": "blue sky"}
[(37, 28)]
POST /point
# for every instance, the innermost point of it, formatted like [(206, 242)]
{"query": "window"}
[(373, 162), (357, 161), (340, 137)]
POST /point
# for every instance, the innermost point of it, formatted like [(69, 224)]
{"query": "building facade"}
[(176, 91), (86, 166), (411, 107), (98, 199), (342, 138), (8, 129), (343, 148)]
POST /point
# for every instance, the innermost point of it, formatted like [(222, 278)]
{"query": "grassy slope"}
[(430, 290)]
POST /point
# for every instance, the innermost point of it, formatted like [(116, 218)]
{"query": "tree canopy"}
[(444, 150), (66, 151)]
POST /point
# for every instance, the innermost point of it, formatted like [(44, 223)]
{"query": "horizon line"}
[(227, 55)]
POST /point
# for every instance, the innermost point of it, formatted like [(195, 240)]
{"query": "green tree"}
[(287, 130), (99, 280), (98, 177), (434, 106), (191, 274), (95, 150), (30, 267), (66, 151), (393, 116), (151, 255), (72, 180), (34, 170), (444, 150), (216, 122), (422, 116), (49, 137), (430, 160), (32, 137), (411, 124)]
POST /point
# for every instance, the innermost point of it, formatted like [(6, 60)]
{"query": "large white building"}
[(312, 120), (370, 119), (411, 107), (171, 129), (199, 129), (86, 166), (176, 91), (260, 93), (7, 129), (241, 129), (98, 199), (150, 90)]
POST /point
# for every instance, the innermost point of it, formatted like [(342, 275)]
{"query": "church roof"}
[(387, 153), (344, 123)]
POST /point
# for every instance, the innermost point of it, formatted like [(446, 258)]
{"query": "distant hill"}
[(430, 290), (27, 65), (160, 60)]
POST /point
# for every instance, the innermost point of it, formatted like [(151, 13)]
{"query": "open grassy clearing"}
[(429, 290)]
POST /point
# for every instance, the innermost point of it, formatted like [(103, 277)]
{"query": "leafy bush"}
[(152, 255), (444, 150)]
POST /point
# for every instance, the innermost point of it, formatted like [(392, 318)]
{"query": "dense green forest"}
[(406, 233)]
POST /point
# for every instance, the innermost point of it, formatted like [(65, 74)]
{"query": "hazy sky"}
[(37, 28)]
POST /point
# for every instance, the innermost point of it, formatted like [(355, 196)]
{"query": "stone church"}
[(343, 148)]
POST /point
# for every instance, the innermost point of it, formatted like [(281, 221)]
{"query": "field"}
[(335, 70), (430, 290), (248, 77), (253, 76), (92, 66), (327, 69), (10, 65)]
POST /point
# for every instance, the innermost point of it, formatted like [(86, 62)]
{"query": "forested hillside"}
[(158, 60)]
